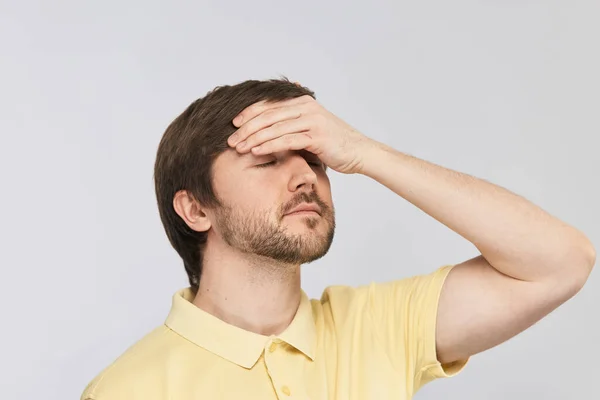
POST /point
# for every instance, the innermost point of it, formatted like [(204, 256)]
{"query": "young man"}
[(244, 196)]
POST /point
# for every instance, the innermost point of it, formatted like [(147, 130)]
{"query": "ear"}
[(190, 211)]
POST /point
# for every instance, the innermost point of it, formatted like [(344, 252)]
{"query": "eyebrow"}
[(250, 158)]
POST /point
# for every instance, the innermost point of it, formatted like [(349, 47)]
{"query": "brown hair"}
[(188, 149)]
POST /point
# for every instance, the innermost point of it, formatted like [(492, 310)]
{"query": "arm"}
[(530, 262)]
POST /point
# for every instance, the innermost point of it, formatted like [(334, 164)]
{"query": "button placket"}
[(273, 358)]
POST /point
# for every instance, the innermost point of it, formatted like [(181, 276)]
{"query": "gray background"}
[(504, 90)]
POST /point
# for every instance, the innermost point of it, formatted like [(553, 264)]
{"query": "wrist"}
[(372, 154)]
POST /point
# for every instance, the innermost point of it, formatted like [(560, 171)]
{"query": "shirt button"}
[(286, 390)]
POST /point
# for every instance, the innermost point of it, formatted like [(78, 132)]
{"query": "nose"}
[(302, 176)]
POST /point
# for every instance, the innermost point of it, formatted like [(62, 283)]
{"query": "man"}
[(244, 195)]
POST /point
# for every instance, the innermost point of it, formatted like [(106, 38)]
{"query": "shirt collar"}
[(236, 344)]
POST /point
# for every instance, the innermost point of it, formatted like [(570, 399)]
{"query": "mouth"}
[(307, 213), (306, 209)]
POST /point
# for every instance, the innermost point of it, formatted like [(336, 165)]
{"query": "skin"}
[(529, 263), (251, 273)]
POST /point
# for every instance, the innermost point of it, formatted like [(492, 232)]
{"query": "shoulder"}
[(344, 299), (139, 367), (397, 304)]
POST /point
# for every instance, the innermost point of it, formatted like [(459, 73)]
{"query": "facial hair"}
[(258, 234)]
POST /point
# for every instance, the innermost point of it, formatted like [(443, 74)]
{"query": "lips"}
[(305, 207)]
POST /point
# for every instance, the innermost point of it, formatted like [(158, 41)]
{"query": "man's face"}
[(258, 192)]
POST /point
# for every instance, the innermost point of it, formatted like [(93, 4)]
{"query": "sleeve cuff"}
[(434, 369)]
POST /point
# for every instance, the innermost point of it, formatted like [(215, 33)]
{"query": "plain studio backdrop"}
[(503, 90)]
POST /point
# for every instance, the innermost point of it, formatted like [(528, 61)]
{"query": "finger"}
[(259, 107), (293, 141), (272, 132), (263, 121)]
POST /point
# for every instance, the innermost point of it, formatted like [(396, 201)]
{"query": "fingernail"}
[(233, 139), (238, 120)]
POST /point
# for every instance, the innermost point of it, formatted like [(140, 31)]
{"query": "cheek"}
[(252, 199)]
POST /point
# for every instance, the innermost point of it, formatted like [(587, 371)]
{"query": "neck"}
[(252, 293)]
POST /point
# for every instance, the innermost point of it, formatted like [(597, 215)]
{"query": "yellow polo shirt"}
[(370, 342)]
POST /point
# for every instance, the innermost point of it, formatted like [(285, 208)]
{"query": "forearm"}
[(516, 237)]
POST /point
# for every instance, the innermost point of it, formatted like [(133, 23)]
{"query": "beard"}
[(256, 233)]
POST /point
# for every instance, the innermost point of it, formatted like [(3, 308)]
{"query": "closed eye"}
[(266, 164), (317, 164)]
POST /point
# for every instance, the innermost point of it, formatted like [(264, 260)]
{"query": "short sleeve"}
[(404, 318)]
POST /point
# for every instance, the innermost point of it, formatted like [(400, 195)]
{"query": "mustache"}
[(304, 197)]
